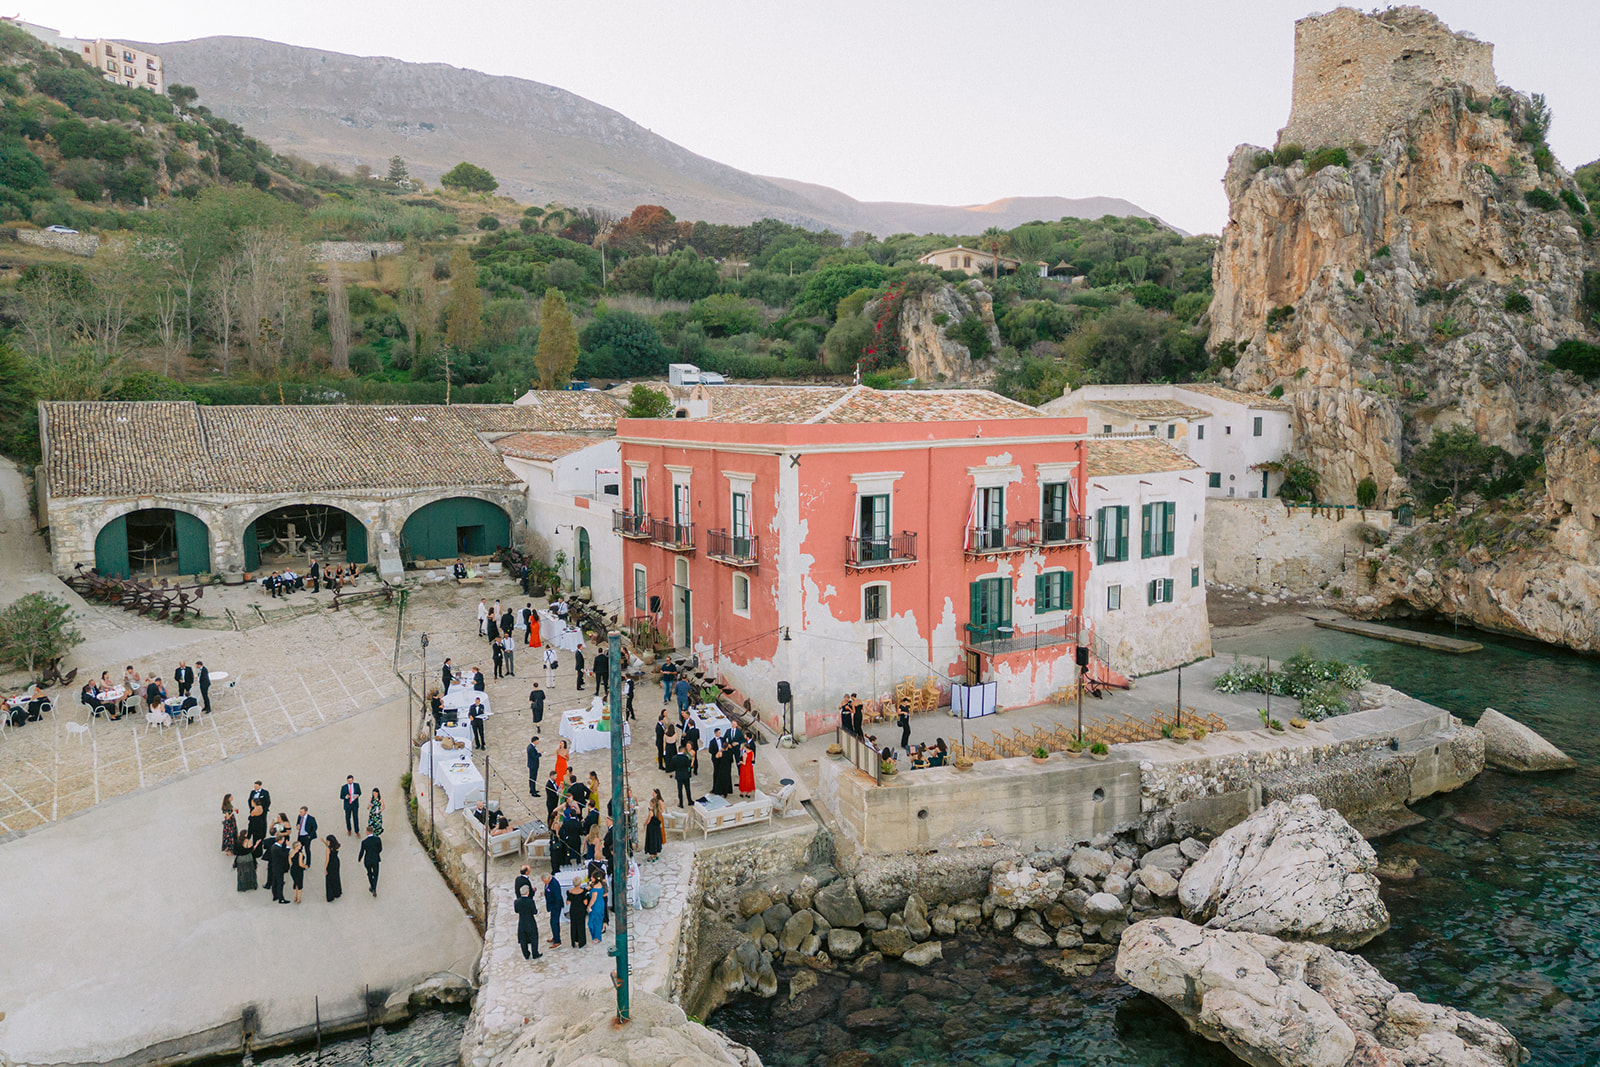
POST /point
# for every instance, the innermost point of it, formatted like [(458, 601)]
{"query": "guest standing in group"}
[(669, 675), (561, 762), (723, 755), (903, 720), (204, 677), (331, 879), (655, 828), (552, 801), (446, 675), (747, 772), (509, 654), (681, 689), (475, 715), (579, 654), (534, 638), (856, 710), (680, 771), (230, 824), (597, 908), (551, 662), (297, 869), (661, 738), (256, 821), (536, 704), (306, 830), (627, 698), (245, 854), (350, 797), (477, 679), (499, 656), (183, 677), (483, 618), (375, 812), (602, 672), (277, 868), (578, 912), (534, 755), (527, 923), (553, 904), (370, 855)]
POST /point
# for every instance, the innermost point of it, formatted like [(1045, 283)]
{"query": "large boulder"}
[(1293, 869), (1276, 1003), (574, 1025), (839, 904), (1020, 887), (1511, 746)]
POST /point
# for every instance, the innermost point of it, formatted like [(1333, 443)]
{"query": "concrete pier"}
[(1380, 632)]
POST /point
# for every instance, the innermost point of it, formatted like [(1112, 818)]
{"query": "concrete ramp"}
[(1400, 637)]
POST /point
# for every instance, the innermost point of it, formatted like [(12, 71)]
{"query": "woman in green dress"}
[(375, 812)]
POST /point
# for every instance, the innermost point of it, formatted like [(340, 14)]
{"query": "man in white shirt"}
[(508, 646), (483, 618), (551, 662)]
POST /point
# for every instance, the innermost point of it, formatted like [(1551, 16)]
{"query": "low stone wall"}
[(354, 251), (459, 857), (77, 244), (1263, 546)]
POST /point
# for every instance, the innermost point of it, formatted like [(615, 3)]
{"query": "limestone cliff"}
[(927, 322), (1407, 285)]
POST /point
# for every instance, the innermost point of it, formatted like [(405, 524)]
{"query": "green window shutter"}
[(1145, 531), (977, 612), (1169, 531), (1003, 615), (1194, 577), (1166, 588), (1100, 534), (1122, 533), (1041, 592), (1151, 592), (1066, 581)]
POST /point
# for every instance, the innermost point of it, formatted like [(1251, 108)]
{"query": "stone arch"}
[(346, 533), (188, 527), (454, 524)]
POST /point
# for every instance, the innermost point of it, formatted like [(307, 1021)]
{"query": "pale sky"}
[(934, 101)]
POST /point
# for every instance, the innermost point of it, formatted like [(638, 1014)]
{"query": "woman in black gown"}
[(244, 862), (722, 767), (653, 827), (578, 912), (335, 890)]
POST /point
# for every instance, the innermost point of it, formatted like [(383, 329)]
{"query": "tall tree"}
[(558, 341), (35, 630), (469, 178), (994, 239), (463, 321), (338, 322), (397, 171)]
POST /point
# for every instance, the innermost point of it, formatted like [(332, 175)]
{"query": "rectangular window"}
[(1152, 427), (875, 603), (741, 595), (874, 649), (1172, 430), (1227, 431), (638, 496), (1052, 591), (1200, 432), (1111, 529), (1105, 427), (1214, 480), (872, 527), (1158, 529), (1256, 429), (111, 65), (640, 587), (1161, 591), (968, 262), (1194, 577), (1113, 598), (1053, 510), (151, 78), (680, 503), (991, 607), (991, 516)]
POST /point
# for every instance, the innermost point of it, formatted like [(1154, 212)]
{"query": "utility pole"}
[(619, 827)]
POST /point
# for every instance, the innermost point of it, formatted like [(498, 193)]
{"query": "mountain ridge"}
[(543, 143)]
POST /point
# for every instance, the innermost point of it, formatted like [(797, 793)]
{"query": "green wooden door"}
[(252, 549), (194, 544), (583, 558), (111, 548), (445, 529), (355, 540)]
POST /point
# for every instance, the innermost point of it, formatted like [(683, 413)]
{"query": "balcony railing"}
[(897, 550), (628, 524), (734, 550), (1026, 534), (994, 638), (1071, 531), (678, 536)]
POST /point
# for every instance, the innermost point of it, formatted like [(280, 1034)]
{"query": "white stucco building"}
[(572, 485), (1146, 590), (1225, 431)]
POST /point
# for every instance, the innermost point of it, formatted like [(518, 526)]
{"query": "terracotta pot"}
[(1040, 759), (1075, 753), (962, 766), (1097, 756)]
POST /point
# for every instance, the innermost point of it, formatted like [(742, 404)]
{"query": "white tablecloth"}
[(565, 875), (457, 775), (559, 635), (462, 733), (581, 728), (460, 698), (708, 719)]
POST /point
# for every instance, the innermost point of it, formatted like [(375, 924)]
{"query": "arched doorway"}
[(585, 560), (297, 532), (682, 603), (153, 542), (456, 526)]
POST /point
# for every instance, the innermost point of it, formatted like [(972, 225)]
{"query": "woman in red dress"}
[(747, 773), (561, 764)]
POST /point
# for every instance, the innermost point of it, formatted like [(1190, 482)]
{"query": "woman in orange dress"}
[(533, 629), (747, 772), (561, 764)]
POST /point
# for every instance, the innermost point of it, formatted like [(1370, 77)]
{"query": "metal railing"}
[(740, 551), (1024, 534), (1070, 531), (629, 524), (1005, 637), (894, 550), (678, 536)]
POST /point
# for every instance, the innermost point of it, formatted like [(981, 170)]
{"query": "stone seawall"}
[(1265, 547)]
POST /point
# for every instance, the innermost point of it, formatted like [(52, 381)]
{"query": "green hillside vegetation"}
[(205, 285)]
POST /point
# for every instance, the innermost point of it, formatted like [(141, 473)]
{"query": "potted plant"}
[(1075, 747), (961, 763), (1181, 734), (1298, 724), (1099, 751), (1040, 754), (1274, 724), (1199, 733), (886, 767), (836, 750)]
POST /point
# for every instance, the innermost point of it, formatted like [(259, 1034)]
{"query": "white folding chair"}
[(157, 717), (76, 730)]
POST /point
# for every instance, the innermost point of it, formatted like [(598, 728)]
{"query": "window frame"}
[(1114, 598), (1048, 601), (1256, 429), (1160, 591), (1158, 529), (1000, 602), (875, 650), (1199, 431), (1119, 554), (740, 581), (878, 591), (1213, 479), (641, 588)]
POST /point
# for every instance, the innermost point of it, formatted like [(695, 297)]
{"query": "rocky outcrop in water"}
[(1294, 1004), (1511, 746), (1293, 869)]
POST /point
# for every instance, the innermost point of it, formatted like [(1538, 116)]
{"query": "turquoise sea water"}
[(1503, 921)]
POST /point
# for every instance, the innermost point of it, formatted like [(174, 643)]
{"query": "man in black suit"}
[(536, 703), (533, 766), (475, 715), (184, 676), (370, 854), (155, 694), (552, 800), (477, 679), (315, 574), (277, 867), (602, 672), (681, 765), (524, 878), (554, 901), (579, 654), (260, 795), (445, 674), (305, 828), (205, 685), (350, 794)]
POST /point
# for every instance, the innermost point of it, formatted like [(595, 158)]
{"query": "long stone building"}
[(168, 488)]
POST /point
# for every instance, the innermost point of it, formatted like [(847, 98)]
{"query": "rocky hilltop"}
[(1407, 283)]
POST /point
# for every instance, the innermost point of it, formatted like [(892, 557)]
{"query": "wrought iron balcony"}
[(630, 525), (1073, 531), (1026, 534), (735, 551), (897, 550), (677, 536)]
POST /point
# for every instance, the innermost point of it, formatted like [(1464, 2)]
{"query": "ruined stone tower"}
[(1356, 76)]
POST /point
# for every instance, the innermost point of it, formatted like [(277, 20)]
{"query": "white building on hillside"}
[(125, 64), (1146, 590), (572, 495), (1227, 432)]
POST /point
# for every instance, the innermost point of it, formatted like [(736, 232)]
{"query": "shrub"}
[(1579, 357), (1276, 392), (1541, 199), (1327, 157), (972, 332), (1319, 685), (1359, 276), (1262, 160), (1278, 316), (724, 315), (1518, 303), (1576, 206), (469, 178), (1153, 296), (488, 222), (1366, 492), (1381, 252), (1287, 155)]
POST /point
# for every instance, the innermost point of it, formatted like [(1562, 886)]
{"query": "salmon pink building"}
[(845, 540)]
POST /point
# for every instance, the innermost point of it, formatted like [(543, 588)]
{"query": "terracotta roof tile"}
[(1108, 456), (1235, 396), (544, 446), (573, 410), (1155, 408), (832, 405)]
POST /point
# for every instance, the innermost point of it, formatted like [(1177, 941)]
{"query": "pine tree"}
[(558, 341), (397, 171)]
